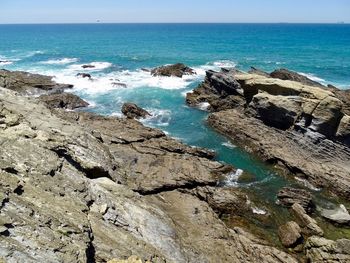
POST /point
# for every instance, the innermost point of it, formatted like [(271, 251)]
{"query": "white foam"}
[(229, 145), (307, 184), (232, 178), (158, 117), (312, 77), (5, 62), (61, 61), (216, 65), (95, 66), (203, 106), (258, 211)]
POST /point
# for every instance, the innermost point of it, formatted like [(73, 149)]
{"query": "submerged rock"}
[(87, 66), (132, 111), (63, 100), (176, 70), (84, 75)]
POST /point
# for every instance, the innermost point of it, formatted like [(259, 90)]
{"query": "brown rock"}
[(288, 196), (309, 225), (286, 74), (290, 234), (64, 101), (132, 111), (176, 70)]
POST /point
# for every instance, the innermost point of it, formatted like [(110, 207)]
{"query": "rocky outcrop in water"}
[(176, 70), (132, 111), (78, 187), (30, 84), (299, 128), (63, 100)]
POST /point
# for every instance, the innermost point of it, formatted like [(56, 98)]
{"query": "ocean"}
[(121, 52)]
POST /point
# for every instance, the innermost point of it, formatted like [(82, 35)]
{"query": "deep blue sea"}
[(119, 52)]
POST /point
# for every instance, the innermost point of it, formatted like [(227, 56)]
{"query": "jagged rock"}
[(132, 111), (95, 188), (288, 196), (299, 128), (84, 75), (290, 234), (339, 215), (64, 101), (176, 70), (319, 250), (308, 224), (286, 74)]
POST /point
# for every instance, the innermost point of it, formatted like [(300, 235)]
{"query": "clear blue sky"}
[(66, 11)]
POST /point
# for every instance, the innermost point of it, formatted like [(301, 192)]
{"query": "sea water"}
[(122, 54)]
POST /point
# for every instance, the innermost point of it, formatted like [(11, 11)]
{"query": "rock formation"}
[(63, 100), (78, 187), (300, 128), (132, 111), (176, 70)]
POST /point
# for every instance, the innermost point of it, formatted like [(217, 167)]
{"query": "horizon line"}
[(89, 23)]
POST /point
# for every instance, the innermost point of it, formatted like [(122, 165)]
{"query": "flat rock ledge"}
[(78, 187), (286, 119)]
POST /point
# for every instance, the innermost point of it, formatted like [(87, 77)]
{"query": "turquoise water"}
[(120, 51)]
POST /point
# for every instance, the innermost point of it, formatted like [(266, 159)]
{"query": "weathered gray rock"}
[(290, 234), (339, 215), (132, 111), (63, 100), (26, 83), (319, 250), (308, 224), (176, 70), (343, 132)]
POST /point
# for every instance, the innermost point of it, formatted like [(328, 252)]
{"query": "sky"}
[(158, 11)]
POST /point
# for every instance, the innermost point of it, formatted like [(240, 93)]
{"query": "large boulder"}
[(286, 74), (30, 84), (277, 111), (176, 70), (132, 111), (64, 100), (290, 234), (343, 132)]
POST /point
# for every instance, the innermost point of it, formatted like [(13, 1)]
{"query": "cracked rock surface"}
[(77, 187)]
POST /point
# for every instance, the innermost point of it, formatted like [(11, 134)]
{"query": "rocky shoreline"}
[(79, 187), (302, 129)]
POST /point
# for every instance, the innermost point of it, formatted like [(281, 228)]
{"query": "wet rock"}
[(84, 75), (339, 215), (64, 101), (132, 111), (288, 196), (176, 70), (30, 84), (119, 84), (290, 234), (319, 250), (87, 66), (308, 224), (286, 74)]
